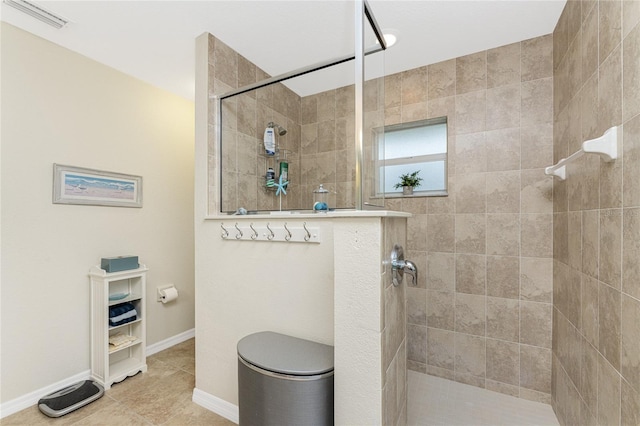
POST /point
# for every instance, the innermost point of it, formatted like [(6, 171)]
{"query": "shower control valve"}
[(399, 267)]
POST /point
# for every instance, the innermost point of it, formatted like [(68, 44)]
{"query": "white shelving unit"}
[(109, 366)]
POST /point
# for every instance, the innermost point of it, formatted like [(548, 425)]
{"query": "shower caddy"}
[(108, 365)]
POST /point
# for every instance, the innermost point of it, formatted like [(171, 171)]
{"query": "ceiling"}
[(155, 40)]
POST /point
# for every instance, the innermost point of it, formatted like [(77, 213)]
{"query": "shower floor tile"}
[(436, 401)]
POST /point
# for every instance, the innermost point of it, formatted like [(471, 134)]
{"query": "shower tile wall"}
[(596, 331), (482, 311), (244, 119)]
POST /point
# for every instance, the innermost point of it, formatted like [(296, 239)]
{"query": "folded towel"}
[(124, 321), (124, 316), (120, 309)]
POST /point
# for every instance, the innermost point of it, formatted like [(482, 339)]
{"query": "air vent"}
[(37, 12)]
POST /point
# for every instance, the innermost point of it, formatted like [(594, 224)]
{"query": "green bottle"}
[(284, 171)]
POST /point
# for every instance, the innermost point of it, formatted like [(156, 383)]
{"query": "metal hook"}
[(254, 235), (239, 234), (308, 236), (225, 233), (288, 236), (271, 235)]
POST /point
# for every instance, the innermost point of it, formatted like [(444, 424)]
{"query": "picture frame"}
[(79, 185)]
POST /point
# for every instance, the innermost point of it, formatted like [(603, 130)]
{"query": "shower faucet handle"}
[(399, 267)]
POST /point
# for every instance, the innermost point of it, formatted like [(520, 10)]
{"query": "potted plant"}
[(408, 181)]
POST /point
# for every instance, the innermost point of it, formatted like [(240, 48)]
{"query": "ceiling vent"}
[(37, 12)]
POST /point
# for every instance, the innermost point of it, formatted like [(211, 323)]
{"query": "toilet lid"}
[(283, 354)]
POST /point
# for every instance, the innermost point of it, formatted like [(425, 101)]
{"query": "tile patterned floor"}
[(436, 401), (161, 396)]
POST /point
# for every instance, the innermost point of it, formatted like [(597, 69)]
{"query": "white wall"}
[(60, 107)]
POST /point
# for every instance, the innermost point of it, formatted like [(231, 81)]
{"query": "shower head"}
[(281, 130)]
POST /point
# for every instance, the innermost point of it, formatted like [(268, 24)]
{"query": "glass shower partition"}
[(322, 119)]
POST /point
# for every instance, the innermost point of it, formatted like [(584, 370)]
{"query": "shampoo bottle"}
[(269, 141)]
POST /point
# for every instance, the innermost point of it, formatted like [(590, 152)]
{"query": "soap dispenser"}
[(320, 200)]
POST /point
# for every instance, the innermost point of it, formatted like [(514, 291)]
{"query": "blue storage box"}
[(119, 263)]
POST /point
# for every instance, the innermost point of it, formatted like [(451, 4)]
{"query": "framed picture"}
[(77, 185)]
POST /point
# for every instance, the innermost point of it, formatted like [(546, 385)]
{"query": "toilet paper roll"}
[(168, 294)]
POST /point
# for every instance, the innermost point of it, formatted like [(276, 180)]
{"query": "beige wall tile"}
[(574, 226), (470, 355), (590, 60), (415, 85), (470, 314), (392, 91), (326, 136), (536, 146), (309, 110), (470, 233), (441, 232), (589, 375), (537, 58), (417, 343), (441, 271), (503, 276), (503, 234), (503, 65), (442, 79), (631, 252), (440, 309), (589, 310), (630, 16), (470, 112), (610, 246), (470, 273), (417, 232), (608, 394), (470, 153), (631, 162), (471, 193), (345, 101), (535, 324), (630, 405), (609, 324), (441, 349), (590, 242), (503, 319), (503, 192), (536, 279), (471, 72), (610, 27), (537, 192), (535, 368), (535, 235), (503, 107), (610, 91), (416, 306), (503, 361), (503, 149), (631, 74), (630, 344), (537, 101)]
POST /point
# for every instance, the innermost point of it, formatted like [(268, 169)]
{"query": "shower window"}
[(409, 147)]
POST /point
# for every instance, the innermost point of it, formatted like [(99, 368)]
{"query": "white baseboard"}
[(26, 401), (171, 341), (219, 406)]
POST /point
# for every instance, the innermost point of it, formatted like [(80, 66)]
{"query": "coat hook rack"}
[(283, 232), (606, 146)]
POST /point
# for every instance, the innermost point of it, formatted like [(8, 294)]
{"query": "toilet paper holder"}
[(167, 293)]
